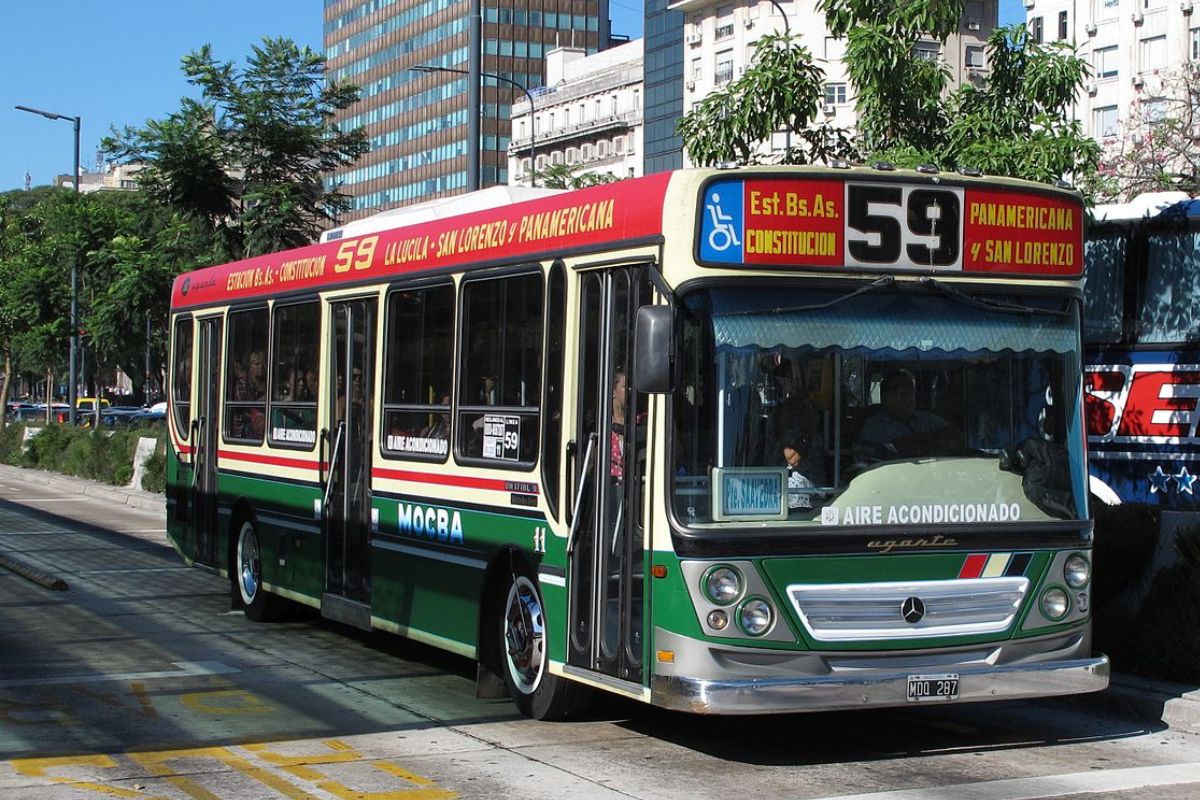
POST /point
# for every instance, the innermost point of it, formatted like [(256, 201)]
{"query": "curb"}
[(134, 498), (1177, 706), (32, 573)]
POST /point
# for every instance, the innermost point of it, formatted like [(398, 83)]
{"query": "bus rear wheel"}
[(259, 605), (536, 692)]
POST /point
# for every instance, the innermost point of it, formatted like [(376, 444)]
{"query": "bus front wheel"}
[(536, 692), (259, 605)]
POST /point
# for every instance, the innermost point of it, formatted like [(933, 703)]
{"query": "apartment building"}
[(719, 38), (1133, 47), (588, 115), (417, 121)]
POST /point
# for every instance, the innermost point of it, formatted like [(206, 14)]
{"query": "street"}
[(138, 681)]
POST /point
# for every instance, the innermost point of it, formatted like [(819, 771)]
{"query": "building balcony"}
[(588, 129)]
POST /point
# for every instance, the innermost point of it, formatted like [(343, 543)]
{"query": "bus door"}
[(206, 427), (347, 501), (607, 563)]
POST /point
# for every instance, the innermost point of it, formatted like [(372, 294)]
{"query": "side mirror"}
[(653, 349)]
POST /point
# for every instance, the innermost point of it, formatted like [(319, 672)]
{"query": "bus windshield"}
[(827, 407)]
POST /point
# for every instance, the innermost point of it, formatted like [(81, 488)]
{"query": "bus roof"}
[(442, 207), (625, 211), (1148, 205)]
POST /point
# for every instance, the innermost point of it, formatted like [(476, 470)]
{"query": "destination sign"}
[(830, 223)]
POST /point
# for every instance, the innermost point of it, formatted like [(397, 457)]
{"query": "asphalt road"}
[(137, 681)]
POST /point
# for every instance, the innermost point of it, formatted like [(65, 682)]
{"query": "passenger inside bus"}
[(440, 427), (899, 428), (795, 450)]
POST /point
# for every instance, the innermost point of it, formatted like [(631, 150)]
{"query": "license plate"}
[(922, 688)]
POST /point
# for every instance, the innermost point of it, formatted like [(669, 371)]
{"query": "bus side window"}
[(295, 376), (500, 362), (181, 376), (246, 376), (418, 364)]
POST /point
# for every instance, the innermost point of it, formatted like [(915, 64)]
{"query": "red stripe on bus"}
[(973, 566), (275, 461), (450, 480)]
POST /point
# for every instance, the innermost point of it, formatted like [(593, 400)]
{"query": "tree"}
[(1158, 145), (1020, 123), (248, 158), (900, 90), (778, 92), (565, 176)]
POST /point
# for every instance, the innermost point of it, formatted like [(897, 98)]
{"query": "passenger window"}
[(246, 376), (419, 358), (181, 376), (500, 370), (295, 376)]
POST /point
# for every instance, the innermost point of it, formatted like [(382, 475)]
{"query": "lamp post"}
[(493, 75), (787, 31), (72, 390)]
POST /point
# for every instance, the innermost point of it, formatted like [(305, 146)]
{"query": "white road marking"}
[(130, 570), (1103, 780), (187, 669)]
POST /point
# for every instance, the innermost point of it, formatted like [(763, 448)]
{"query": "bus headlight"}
[(1055, 603), (756, 616), (1077, 571), (723, 585)]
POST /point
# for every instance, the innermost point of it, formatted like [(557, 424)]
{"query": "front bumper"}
[(884, 683)]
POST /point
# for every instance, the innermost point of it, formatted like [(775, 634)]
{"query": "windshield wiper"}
[(988, 303), (878, 283)]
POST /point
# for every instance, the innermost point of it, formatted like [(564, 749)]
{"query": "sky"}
[(118, 64)]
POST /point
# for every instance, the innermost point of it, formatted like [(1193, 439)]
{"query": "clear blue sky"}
[(118, 64)]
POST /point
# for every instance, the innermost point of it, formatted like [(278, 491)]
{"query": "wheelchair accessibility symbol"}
[(723, 223), (723, 235)]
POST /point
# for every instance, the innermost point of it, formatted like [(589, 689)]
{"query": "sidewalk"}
[(134, 498), (1177, 706)]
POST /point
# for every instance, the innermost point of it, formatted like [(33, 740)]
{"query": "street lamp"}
[(787, 31), (493, 75), (71, 388)]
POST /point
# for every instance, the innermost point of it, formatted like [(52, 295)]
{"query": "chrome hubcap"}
[(248, 560), (524, 635)]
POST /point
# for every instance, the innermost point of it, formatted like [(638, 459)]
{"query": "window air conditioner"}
[(1029, 3), (1186, 6), (1137, 17), (1091, 87), (749, 23), (691, 86), (830, 110), (1137, 80), (972, 25), (1091, 29)]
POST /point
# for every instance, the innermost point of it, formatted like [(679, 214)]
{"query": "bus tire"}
[(525, 658), (257, 603)]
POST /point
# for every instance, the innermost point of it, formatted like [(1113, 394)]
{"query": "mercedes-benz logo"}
[(913, 610)]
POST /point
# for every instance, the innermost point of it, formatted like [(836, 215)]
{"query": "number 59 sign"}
[(891, 226)]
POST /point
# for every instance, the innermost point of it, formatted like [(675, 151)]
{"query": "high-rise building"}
[(1136, 49), (663, 78), (417, 121)]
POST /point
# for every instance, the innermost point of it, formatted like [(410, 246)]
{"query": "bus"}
[(721, 441), (1142, 360)]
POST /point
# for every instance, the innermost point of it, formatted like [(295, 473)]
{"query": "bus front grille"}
[(840, 612)]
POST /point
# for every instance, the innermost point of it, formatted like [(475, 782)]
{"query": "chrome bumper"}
[(877, 690)]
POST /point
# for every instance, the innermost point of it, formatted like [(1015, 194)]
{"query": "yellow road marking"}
[(164, 765)]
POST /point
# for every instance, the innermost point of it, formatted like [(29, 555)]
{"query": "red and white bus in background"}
[(1142, 355)]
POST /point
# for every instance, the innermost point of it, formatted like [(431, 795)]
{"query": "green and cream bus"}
[(724, 441)]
